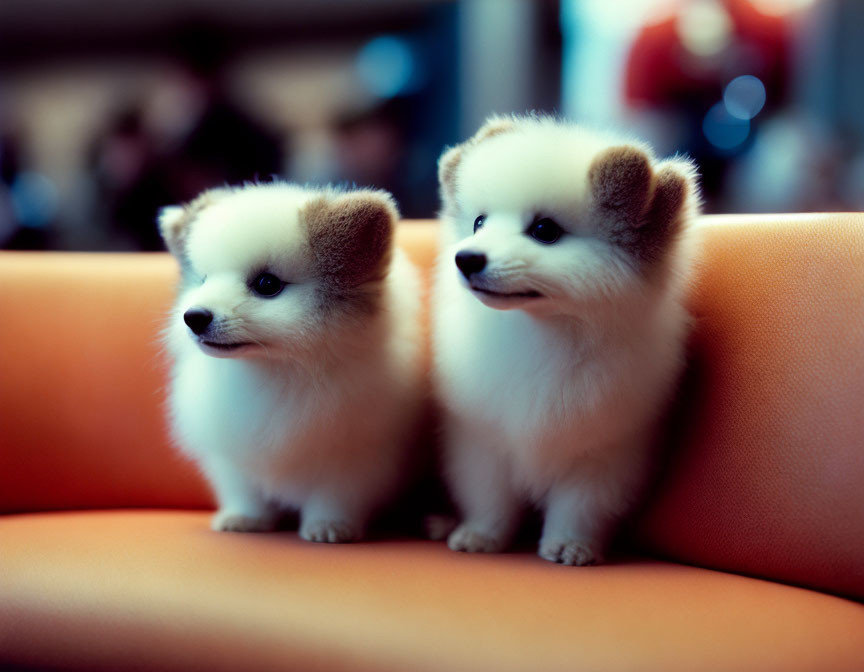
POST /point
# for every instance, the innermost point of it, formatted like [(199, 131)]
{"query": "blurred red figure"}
[(680, 63)]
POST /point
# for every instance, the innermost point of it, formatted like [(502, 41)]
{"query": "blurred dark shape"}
[(27, 199), (9, 167), (129, 188), (371, 147), (679, 66), (189, 136), (9, 154), (394, 143)]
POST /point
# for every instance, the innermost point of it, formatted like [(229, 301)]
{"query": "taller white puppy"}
[(297, 348), (559, 327)]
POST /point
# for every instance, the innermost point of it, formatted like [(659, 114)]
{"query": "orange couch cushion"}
[(767, 469), (767, 475), (159, 591)]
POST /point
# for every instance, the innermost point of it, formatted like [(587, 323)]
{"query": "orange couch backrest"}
[(766, 474), (82, 384)]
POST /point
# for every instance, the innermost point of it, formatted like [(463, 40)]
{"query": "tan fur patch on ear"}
[(351, 236), (492, 127), (620, 180), (447, 165), (172, 225), (175, 220)]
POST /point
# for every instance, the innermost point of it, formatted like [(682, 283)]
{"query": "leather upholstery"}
[(767, 474), (159, 591), (763, 477), (81, 391)]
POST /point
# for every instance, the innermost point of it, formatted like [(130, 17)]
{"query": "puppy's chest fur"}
[(274, 421), (532, 377), (553, 398)]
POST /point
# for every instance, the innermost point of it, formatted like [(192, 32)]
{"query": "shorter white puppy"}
[(296, 340), (559, 327)]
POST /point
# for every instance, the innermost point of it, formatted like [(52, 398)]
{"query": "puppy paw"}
[(329, 531), (466, 539), (226, 521), (570, 552)]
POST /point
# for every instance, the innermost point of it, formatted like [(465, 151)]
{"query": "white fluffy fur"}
[(551, 401), (315, 414)]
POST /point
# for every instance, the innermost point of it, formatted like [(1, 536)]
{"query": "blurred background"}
[(109, 110)]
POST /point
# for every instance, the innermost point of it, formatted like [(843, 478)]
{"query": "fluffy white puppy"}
[(296, 341), (558, 327)]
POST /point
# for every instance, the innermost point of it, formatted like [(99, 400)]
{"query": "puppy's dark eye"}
[(545, 230), (478, 223), (267, 285)]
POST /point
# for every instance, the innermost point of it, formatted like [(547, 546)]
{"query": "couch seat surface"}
[(158, 590)]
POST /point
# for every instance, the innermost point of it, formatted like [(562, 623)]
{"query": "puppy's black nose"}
[(470, 262), (198, 319)]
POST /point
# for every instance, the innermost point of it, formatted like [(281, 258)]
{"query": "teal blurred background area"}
[(109, 110)]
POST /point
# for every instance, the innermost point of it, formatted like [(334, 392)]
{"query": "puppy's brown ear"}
[(175, 220), (620, 180), (351, 236), (642, 207), (674, 187), (673, 201), (492, 127)]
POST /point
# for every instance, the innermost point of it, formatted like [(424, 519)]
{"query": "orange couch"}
[(748, 556)]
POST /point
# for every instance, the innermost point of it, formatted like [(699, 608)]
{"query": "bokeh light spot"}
[(723, 130), (744, 97), (704, 27), (386, 66), (34, 199)]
